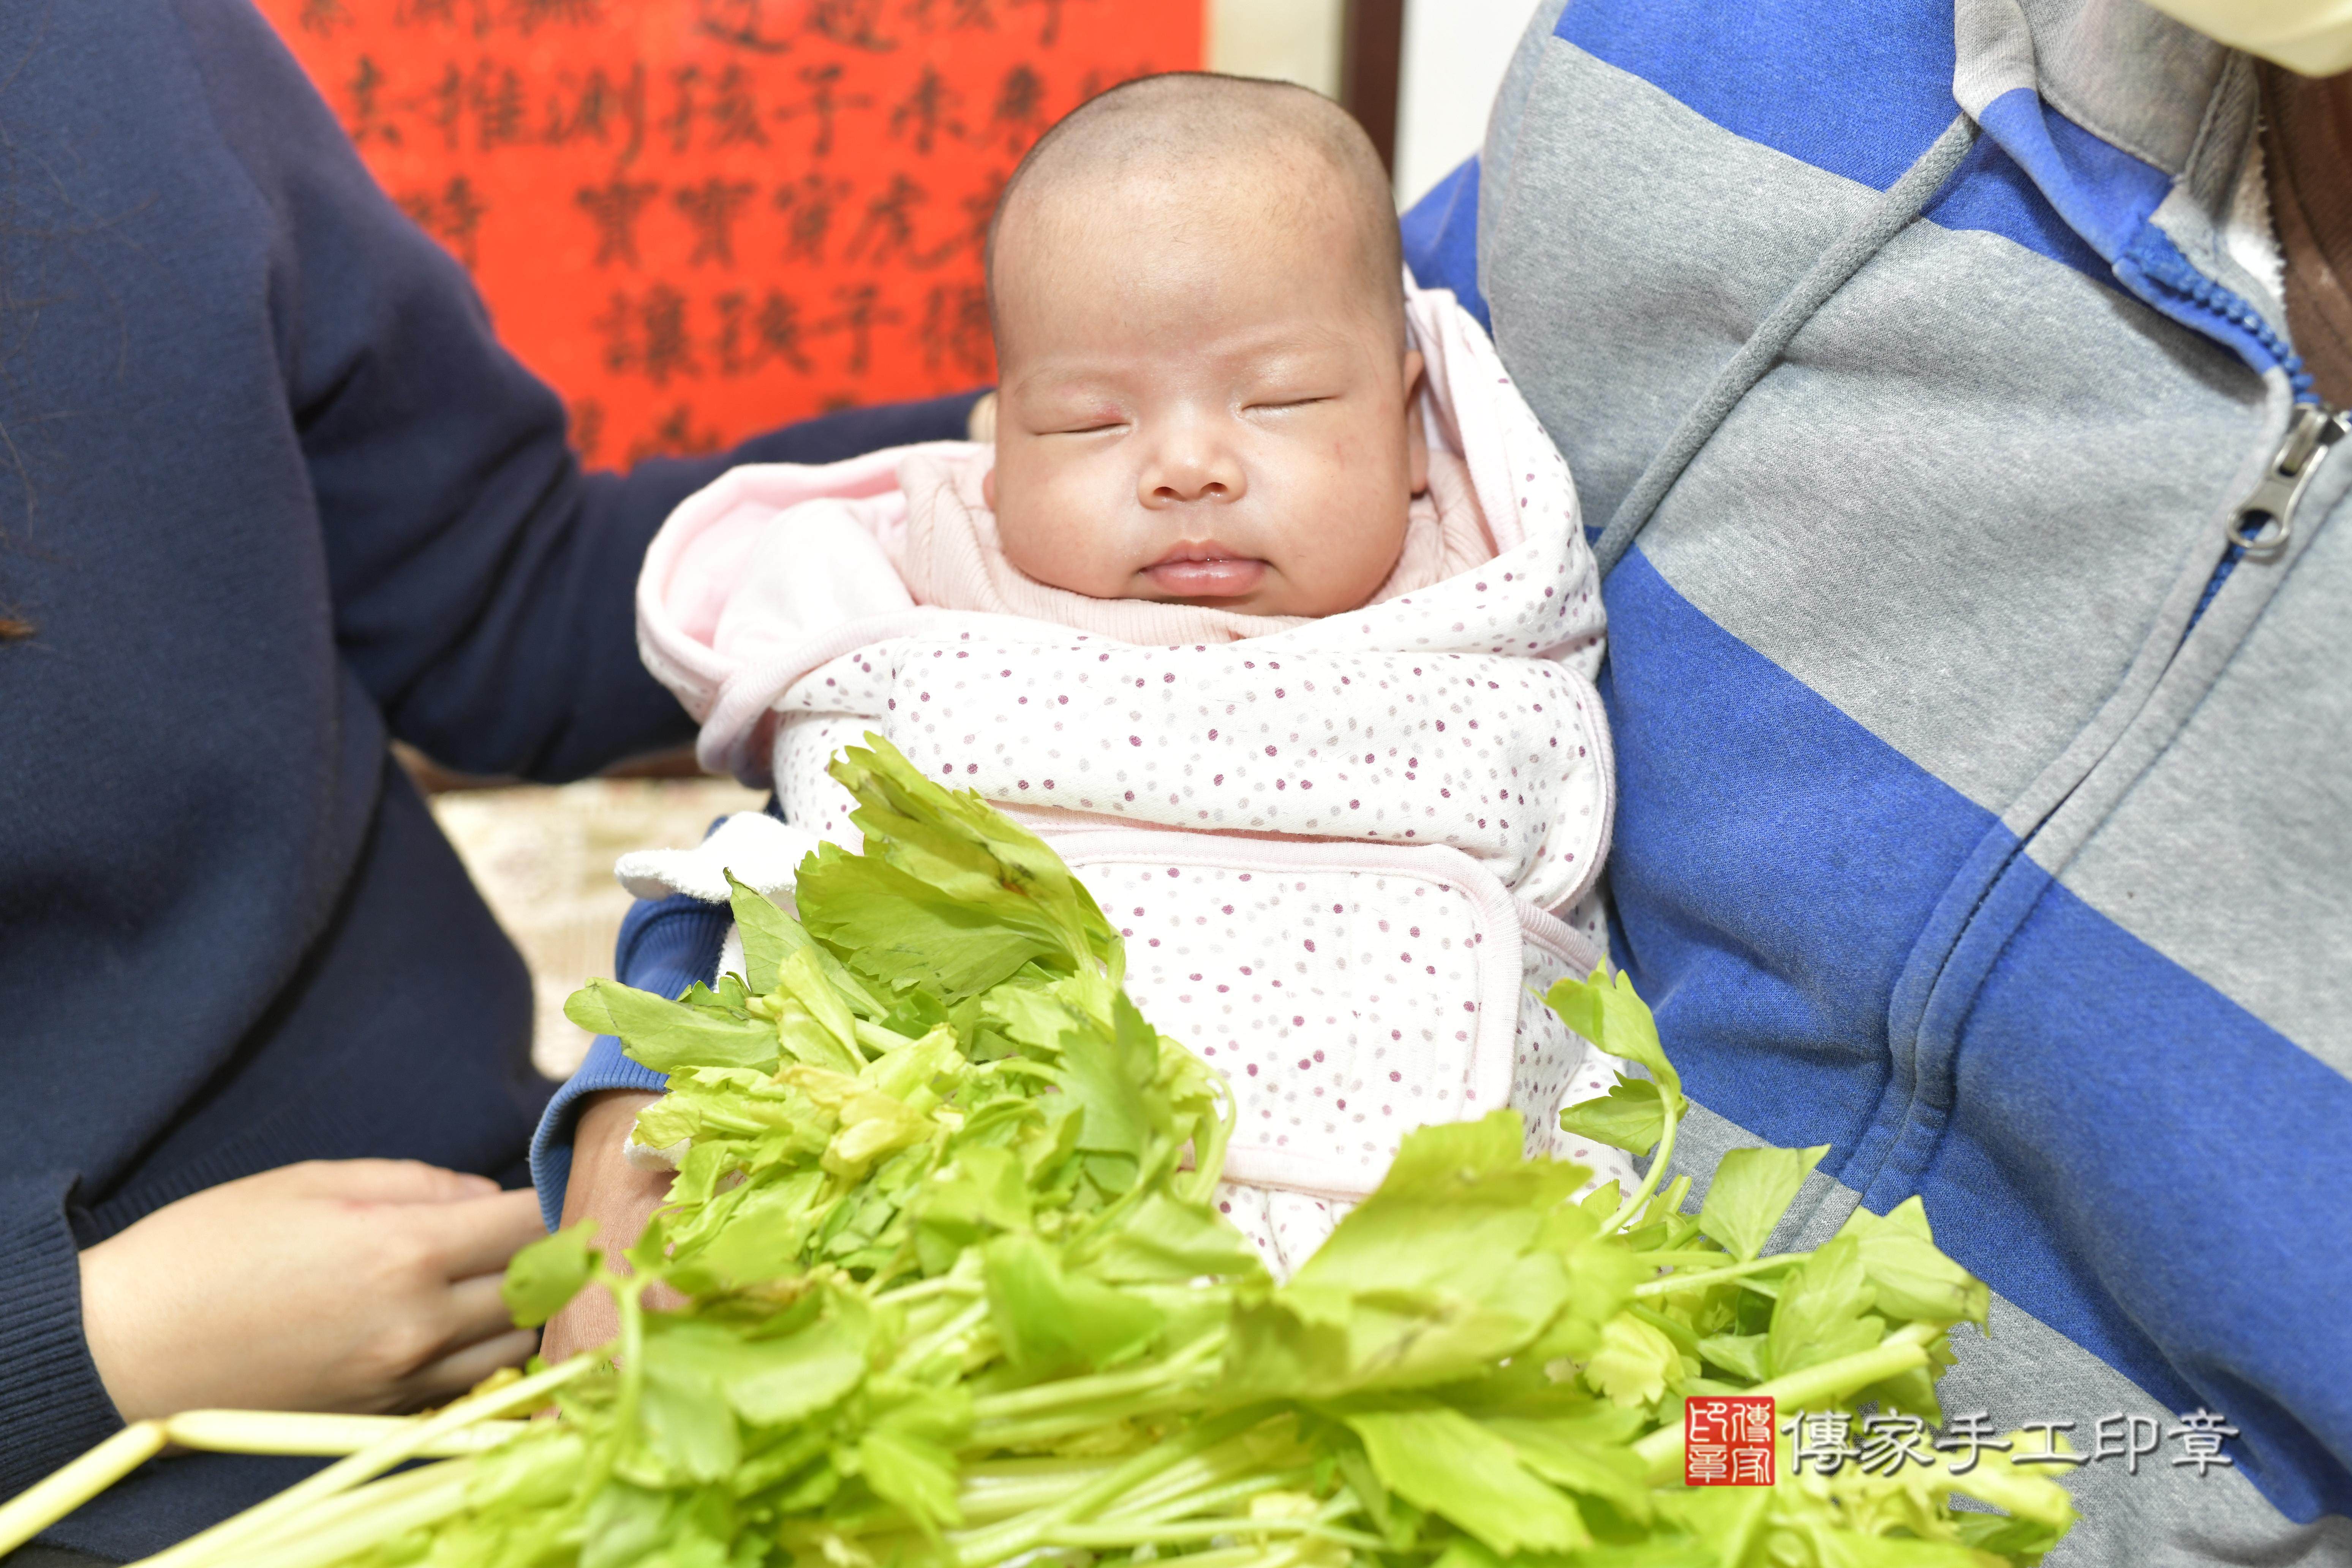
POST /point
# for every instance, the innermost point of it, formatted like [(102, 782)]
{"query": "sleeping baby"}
[(1268, 606)]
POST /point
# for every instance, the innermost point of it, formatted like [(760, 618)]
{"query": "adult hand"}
[(620, 1198), (340, 1285)]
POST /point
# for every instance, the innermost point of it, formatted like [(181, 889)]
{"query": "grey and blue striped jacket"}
[(1981, 669)]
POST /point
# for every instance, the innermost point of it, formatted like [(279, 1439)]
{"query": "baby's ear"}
[(1416, 438)]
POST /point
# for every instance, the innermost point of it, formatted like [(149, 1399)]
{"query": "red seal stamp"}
[(1727, 1440)]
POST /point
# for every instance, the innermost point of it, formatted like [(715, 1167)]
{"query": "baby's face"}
[(1203, 400)]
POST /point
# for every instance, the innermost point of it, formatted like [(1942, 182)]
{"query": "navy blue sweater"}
[(271, 494)]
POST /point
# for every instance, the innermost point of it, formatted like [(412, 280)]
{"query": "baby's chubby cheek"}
[(1049, 537), (1342, 524)]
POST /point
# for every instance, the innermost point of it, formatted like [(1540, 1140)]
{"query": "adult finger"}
[(381, 1181), (479, 1235), (459, 1370), (473, 1311)]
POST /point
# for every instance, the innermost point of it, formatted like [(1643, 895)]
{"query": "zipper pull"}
[(2266, 519)]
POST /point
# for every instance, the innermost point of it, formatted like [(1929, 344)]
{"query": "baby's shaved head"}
[(1190, 146)]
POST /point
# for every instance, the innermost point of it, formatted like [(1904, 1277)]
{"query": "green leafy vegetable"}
[(1631, 1116), (1451, 1465), (1751, 1190), (1606, 1011), (543, 1277), (960, 1296)]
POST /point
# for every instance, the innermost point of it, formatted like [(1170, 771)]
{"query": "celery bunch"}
[(961, 1297)]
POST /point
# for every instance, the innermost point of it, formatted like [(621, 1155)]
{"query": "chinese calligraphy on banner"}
[(699, 218)]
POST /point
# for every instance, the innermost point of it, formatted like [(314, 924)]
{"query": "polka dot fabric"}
[(1353, 1028), (805, 745), (1345, 1007), (1552, 1068), (1504, 759)]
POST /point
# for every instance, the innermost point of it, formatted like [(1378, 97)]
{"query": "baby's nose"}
[(1188, 471), (1200, 490)]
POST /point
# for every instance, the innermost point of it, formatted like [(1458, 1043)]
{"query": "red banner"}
[(698, 218)]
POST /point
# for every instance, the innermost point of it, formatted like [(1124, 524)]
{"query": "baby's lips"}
[(1225, 577)]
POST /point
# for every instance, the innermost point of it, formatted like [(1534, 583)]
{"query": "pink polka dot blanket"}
[(1346, 854)]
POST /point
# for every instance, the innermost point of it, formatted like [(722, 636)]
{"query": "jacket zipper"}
[(2264, 521)]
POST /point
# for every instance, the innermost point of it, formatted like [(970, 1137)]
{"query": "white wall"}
[(1290, 40), (1455, 52)]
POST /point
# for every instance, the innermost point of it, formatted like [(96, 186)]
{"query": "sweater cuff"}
[(666, 946), (52, 1405)]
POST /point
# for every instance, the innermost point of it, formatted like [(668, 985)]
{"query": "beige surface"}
[(544, 858), (1290, 40)]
